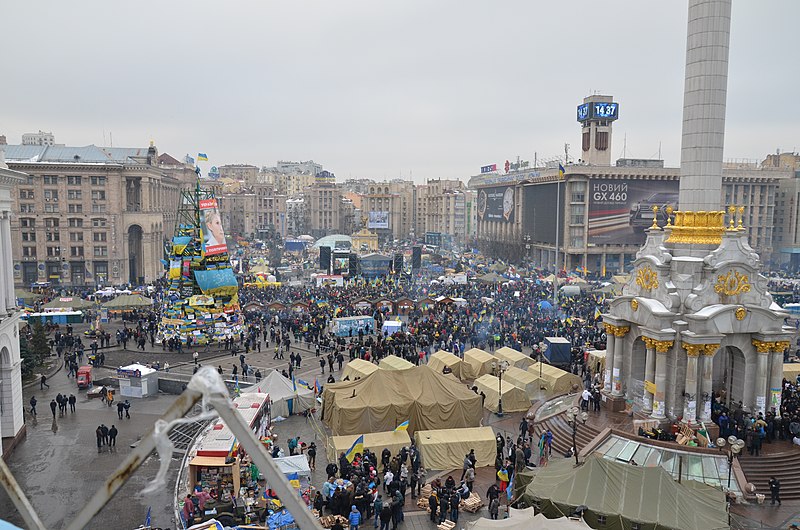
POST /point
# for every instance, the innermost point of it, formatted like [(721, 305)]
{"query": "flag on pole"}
[(294, 480), (510, 488), (597, 313), (202, 156), (147, 521), (560, 171), (236, 389), (357, 447), (402, 427)]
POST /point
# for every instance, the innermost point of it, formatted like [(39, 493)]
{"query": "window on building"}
[(74, 195), (98, 208), (50, 180), (98, 222), (76, 252), (27, 222), (29, 236), (75, 208), (29, 252), (53, 236), (50, 207), (585, 139), (73, 180), (26, 194), (99, 237), (75, 222), (26, 208), (51, 222), (50, 195), (100, 251), (76, 236), (98, 195), (601, 140), (98, 181), (53, 252)]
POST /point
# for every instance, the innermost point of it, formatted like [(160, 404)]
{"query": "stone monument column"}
[(7, 298), (611, 341), (659, 408), (763, 349), (690, 388), (649, 374), (616, 374), (776, 376), (708, 362)]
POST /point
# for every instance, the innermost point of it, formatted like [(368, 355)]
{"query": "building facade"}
[(244, 172), (40, 138), (89, 216), (12, 422), (389, 208)]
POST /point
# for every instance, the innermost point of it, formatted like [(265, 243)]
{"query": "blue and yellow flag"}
[(402, 427), (294, 480), (357, 447), (560, 171), (202, 156)]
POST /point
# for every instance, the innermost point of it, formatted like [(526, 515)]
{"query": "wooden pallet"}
[(472, 504), (447, 525)]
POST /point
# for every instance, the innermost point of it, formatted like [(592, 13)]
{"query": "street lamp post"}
[(499, 369), (573, 416), (732, 447)]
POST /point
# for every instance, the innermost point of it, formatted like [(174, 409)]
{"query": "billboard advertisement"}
[(620, 210), (496, 204), (211, 228), (378, 220)]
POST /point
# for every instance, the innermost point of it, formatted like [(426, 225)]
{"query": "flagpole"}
[(558, 218)]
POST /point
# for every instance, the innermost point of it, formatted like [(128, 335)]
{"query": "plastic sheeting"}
[(514, 399), (217, 282), (514, 357), (293, 464), (476, 363), (393, 362), (556, 380), (358, 368), (441, 359), (387, 398), (375, 442), (445, 449)]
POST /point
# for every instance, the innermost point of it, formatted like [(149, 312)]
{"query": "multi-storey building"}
[(436, 207), (324, 207), (40, 138), (239, 214), (243, 172), (12, 422), (297, 216), (389, 208), (90, 215), (270, 210)]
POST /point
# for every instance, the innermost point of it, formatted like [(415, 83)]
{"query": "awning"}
[(209, 461)]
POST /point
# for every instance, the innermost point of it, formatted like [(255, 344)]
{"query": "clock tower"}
[(596, 115)]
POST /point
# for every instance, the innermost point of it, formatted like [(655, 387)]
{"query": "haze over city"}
[(383, 90)]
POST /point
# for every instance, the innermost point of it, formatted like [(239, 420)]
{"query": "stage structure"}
[(202, 298)]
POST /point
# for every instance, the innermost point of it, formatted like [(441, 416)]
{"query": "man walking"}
[(775, 490), (43, 382), (53, 406), (72, 401), (33, 405), (112, 436)]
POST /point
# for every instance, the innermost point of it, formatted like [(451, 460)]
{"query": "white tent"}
[(294, 464), (281, 392)]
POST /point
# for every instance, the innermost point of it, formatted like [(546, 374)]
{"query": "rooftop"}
[(90, 154)]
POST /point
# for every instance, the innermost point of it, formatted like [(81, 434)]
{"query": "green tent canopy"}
[(624, 494), (68, 303), (129, 301)]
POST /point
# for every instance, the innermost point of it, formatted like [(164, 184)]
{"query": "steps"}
[(182, 436), (562, 433), (784, 466)]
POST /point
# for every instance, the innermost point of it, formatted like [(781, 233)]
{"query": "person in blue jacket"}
[(354, 518)]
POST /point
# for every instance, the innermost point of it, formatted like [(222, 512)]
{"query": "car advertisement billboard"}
[(378, 220), (620, 210), (496, 204), (211, 228)]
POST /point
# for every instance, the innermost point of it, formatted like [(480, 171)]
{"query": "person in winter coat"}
[(354, 518)]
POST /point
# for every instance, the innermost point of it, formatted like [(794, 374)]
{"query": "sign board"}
[(378, 220), (496, 204)]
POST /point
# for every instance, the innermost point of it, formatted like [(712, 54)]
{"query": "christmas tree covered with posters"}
[(202, 300)]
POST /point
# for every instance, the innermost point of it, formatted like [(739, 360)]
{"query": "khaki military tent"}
[(514, 398), (393, 362), (597, 361), (441, 359), (556, 380), (624, 495), (526, 520), (387, 398), (375, 442), (514, 357), (358, 368), (791, 371), (476, 363), (528, 382), (445, 449)]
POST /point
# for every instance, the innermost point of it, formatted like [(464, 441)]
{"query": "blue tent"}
[(545, 305)]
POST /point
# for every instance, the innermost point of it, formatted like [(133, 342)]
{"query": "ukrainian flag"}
[(202, 156), (357, 447), (402, 427), (294, 480), (560, 171)]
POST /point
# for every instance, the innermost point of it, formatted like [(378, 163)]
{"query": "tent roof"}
[(279, 388), (555, 379), (358, 368), (386, 398), (514, 357), (73, 302), (476, 363), (375, 442), (639, 494), (791, 370), (526, 520), (124, 301), (491, 277), (393, 362), (514, 398), (442, 358), (293, 464)]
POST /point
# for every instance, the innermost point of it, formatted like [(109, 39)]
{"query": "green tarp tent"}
[(623, 494), (128, 301), (68, 303)]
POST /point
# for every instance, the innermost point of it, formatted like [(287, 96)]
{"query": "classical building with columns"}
[(696, 319), (12, 422)]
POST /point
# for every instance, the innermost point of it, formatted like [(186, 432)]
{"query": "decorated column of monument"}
[(696, 318)]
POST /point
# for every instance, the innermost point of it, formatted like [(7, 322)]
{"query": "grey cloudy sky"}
[(383, 89)]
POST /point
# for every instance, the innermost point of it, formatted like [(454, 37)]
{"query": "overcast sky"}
[(383, 89)]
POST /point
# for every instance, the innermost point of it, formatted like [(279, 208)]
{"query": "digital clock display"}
[(583, 112), (607, 111)]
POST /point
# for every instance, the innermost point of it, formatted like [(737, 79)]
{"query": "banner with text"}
[(211, 228), (378, 220)]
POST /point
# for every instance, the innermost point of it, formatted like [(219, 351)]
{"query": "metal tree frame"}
[(183, 405)]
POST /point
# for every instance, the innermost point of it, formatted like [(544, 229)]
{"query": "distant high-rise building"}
[(40, 138)]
